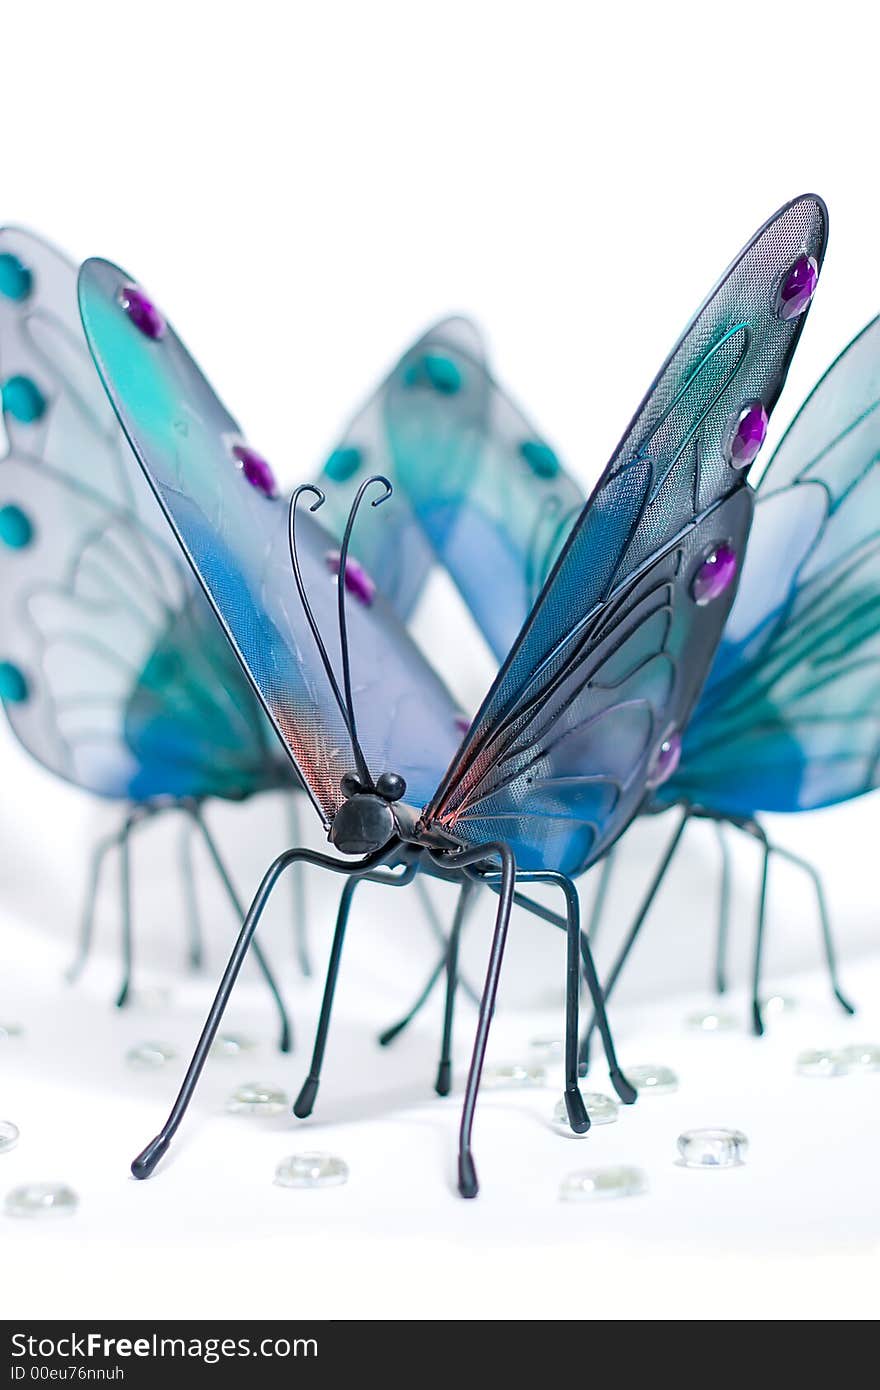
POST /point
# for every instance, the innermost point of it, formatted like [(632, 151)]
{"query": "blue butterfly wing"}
[(790, 716), (112, 671), (236, 539), (587, 709)]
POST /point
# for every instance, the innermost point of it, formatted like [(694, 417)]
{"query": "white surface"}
[(305, 188)]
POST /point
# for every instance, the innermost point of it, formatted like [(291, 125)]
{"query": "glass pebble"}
[(861, 1056), (778, 1004), (311, 1170), (652, 1080), (255, 1099), (8, 1136), (512, 1075), (38, 1199), (230, 1045), (601, 1109), (8, 1031), (711, 1021), (148, 1056), (547, 1049), (598, 1184), (820, 1061), (712, 1148)]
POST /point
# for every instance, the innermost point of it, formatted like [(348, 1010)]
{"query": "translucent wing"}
[(790, 716), (585, 713), (236, 539), (112, 671), (477, 490)]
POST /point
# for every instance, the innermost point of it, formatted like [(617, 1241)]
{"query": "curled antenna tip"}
[(319, 496), (379, 478)]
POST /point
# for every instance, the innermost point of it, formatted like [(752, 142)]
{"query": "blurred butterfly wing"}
[(625, 577), (92, 603), (399, 554), (790, 716), (236, 539)]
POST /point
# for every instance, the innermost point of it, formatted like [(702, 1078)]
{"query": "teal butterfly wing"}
[(233, 527), (112, 671), (586, 714), (790, 716)]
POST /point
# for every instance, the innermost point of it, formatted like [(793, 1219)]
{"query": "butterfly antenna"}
[(363, 771), (343, 628)]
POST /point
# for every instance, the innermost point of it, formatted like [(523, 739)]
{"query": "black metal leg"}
[(285, 1041), (298, 890), (305, 1101), (825, 920), (723, 913), (631, 938), (146, 1161), (195, 953), (757, 1019), (397, 1028), (87, 925), (439, 931), (443, 1084), (125, 894)]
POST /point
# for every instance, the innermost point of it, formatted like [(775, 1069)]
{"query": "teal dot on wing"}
[(343, 464), (435, 370), (540, 458), (16, 528), (16, 281), (23, 399), (13, 686)]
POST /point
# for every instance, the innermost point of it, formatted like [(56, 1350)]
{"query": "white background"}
[(305, 188)]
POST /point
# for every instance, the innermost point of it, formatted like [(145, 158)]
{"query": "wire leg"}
[(825, 920), (396, 1028), (87, 924), (125, 894), (195, 953), (298, 890), (439, 932), (598, 909), (723, 913), (468, 1185), (146, 1161), (285, 1041), (631, 938), (443, 1084), (757, 1019), (305, 1101)]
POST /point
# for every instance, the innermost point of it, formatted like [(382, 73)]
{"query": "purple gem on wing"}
[(748, 435), (357, 582), (462, 723), (664, 761), (798, 288), (714, 576), (142, 312), (255, 468)]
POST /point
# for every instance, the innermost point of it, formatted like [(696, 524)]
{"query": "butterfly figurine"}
[(113, 673), (789, 719), (576, 728)]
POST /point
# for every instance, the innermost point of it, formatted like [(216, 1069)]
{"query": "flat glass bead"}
[(512, 1075), (651, 1080), (8, 1031), (601, 1109), (778, 1004), (711, 1022), (861, 1056), (230, 1045), (8, 1136), (599, 1184), (152, 998), (547, 1049), (712, 1148), (149, 1056), (38, 1199), (254, 1099), (311, 1170), (820, 1061)]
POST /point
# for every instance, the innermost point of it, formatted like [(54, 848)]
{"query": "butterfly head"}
[(367, 820)]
